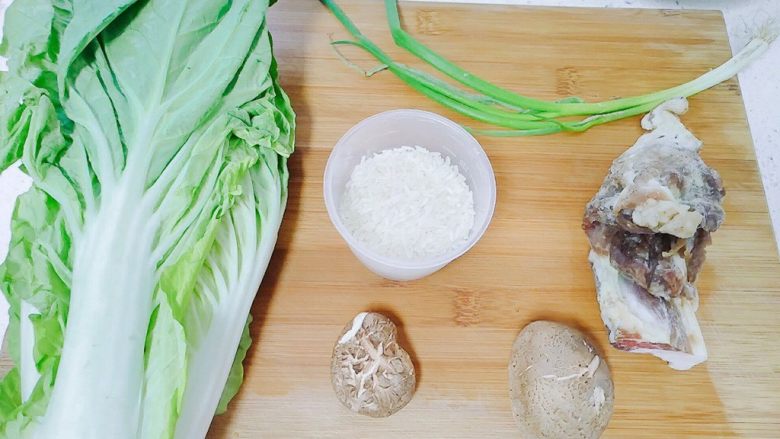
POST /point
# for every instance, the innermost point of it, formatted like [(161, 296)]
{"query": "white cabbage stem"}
[(102, 362)]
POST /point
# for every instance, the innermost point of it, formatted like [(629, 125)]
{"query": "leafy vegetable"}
[(157, 137), (520, 115)]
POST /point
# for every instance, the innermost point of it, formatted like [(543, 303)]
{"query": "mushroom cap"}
[(559, 385), (372, 375)]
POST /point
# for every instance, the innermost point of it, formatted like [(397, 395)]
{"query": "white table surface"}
[(760, 85)]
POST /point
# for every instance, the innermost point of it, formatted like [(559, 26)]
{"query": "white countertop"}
[(760, 85)]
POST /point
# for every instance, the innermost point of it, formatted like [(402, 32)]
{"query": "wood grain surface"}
[(459, 323)]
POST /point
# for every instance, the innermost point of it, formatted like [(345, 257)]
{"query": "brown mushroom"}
[(559, 385), (372, 375)]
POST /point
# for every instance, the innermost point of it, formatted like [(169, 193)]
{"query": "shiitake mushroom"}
[(559, 385), (371, 374)]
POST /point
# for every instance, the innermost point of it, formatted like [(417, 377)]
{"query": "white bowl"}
[(393, 129)]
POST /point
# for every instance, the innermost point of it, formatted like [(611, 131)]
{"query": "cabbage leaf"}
[(156, 136)]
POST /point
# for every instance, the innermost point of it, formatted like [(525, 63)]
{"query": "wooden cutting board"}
[(459, 323)]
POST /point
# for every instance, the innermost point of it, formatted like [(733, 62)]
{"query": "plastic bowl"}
[(393, 129)]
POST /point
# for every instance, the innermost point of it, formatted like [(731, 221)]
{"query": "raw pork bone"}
[(648, 227)]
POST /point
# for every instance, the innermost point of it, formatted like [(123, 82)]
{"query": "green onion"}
[(521, 115)]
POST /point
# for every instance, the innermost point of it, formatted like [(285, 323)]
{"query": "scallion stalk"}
[(521, 115)]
